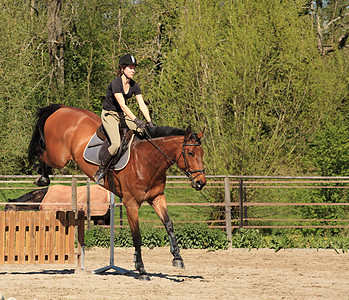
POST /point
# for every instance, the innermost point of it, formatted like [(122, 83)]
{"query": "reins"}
[(187, 172)]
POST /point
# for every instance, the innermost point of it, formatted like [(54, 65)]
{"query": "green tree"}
[(330, 18), (250, 71), (23, 77)]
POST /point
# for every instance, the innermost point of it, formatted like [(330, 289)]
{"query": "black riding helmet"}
[(128, 59)]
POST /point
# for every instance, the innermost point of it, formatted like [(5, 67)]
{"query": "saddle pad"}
[(91, 153)]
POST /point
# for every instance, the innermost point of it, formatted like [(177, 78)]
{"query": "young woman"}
[(116, 114)]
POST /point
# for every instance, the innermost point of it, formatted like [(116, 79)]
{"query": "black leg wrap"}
[(143, 275), (42, 181), (177, 259)]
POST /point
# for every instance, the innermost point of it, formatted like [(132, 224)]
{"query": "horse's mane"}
[(163, 131)]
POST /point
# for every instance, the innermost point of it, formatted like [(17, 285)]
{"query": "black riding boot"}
[(99, 176)]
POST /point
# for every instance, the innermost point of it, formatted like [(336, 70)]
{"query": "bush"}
[(202, 237), (188, 237), (97, 237), (247, 238)]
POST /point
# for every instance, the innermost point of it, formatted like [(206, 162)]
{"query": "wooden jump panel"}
[(43, 237)]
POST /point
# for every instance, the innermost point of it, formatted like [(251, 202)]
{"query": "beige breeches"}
[(112, 121)]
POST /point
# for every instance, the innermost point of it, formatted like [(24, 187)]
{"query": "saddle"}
[(99, 143)]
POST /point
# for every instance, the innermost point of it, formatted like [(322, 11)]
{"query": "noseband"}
[(187, 170)]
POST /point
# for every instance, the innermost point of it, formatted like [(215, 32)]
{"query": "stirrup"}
[(100, 177)]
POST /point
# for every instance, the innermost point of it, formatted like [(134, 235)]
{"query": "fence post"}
[(227, 208), (245, 207), (121, 216), (241, 203), (74, 195), (80, 228), (88, 185)]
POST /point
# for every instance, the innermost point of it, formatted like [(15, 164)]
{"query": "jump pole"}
[(120, 271)]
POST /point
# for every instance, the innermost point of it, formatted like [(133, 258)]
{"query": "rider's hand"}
[(150, 124), (140, 124)]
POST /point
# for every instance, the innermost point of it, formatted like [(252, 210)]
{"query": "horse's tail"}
[(38, 138)]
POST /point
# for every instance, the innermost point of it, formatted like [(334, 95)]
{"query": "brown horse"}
[(62, 133)]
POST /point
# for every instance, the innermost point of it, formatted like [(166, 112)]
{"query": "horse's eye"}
[(190, 153)]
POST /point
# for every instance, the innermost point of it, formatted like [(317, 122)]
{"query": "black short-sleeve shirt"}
[(110, 102)]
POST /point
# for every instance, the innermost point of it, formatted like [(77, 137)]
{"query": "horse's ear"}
[(188, 133), (201, 133)]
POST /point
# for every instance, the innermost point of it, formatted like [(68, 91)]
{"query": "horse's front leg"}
[(133, 220), (160, 206)]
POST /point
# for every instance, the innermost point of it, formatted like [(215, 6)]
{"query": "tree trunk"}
[(56, 43)]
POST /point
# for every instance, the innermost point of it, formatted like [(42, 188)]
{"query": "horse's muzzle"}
[(198, 184)]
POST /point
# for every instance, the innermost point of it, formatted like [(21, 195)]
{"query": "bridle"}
[(187, 170)]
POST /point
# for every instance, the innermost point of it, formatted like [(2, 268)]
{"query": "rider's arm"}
[(143, 107), (121, 100)]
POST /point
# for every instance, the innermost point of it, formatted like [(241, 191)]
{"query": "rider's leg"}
[(111, 124), (99, 175)]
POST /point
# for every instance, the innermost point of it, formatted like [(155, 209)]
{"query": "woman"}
[(116, 113)]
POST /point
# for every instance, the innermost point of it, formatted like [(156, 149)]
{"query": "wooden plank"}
[(80, 223), (60, 237), (2, 237), (30, 237), (20, 242), (70, 216), (40, 237), (47, 235), (16, 238), (10, 240), (50, 237), (6, 246)]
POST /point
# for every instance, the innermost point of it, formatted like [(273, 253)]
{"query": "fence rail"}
[(240, 203)]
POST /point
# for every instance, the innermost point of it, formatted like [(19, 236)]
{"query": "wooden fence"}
[(43, 237), (236, 198)]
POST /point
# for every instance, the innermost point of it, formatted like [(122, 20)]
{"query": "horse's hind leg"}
[(160, 206), (44, 170)]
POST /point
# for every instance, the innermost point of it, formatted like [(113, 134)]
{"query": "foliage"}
[(188, 237), (329, 154), (247, 239), (97, 237), (283, 239), (330, 148), (201, 237)]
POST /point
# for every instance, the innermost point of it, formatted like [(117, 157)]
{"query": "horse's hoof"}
[(41, 182), (143, 277), (178, 263)]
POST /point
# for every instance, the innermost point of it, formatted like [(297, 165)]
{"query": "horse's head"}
[(191, 159)]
